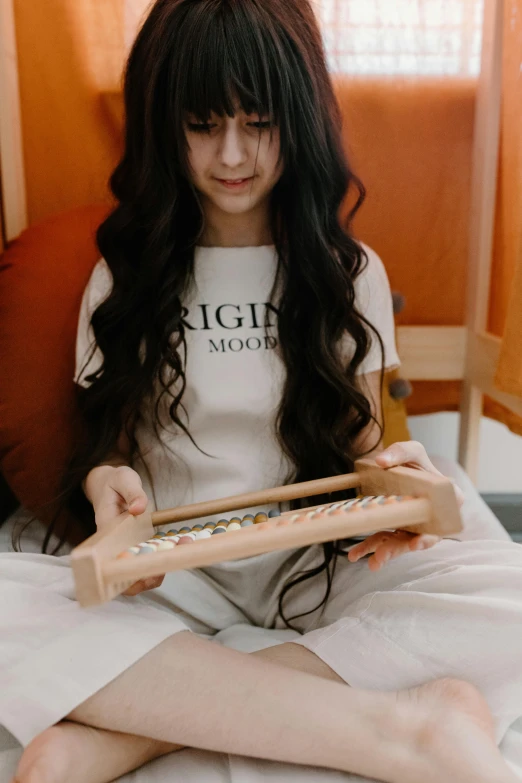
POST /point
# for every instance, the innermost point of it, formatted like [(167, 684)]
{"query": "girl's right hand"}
[(113, 491)]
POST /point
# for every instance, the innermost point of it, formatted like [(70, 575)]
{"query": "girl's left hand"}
[(385, 544)]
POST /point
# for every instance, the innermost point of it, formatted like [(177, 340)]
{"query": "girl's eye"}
[(261, 125), (200, 127), (206, 127)]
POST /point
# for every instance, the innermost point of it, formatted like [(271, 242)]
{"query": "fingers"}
[(144, 584), (118, 490), (127, 483), (387, 546), (409, 452), (377, 542)]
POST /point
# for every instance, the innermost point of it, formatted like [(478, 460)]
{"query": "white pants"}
[(454, 610)]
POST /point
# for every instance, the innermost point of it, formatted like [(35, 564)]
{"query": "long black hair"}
[(203, 56)]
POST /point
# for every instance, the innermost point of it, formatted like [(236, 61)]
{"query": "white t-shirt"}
[(234, 376)]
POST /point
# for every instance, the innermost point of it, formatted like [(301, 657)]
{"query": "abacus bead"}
[(146, 549), (203, 534), (283, 522), (234, 526), (223, 522), (235, 521), (274, 513), (172, 533), (247, 522), (184, 529), (125, 555), (185, 540), (210, 526), (248, 516), (197, 527), (261, 517), (218, 530), (166, 545)]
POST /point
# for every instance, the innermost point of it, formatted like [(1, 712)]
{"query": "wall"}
[(500, 467)]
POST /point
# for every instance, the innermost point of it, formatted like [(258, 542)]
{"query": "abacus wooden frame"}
[(99, 576)]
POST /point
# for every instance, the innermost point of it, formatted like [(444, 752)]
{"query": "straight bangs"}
[(230, 55)]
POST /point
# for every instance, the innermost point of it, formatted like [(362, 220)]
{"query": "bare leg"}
[(104, 755), (210, 697)]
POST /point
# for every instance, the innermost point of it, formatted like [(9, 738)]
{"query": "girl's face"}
[(234, 161)]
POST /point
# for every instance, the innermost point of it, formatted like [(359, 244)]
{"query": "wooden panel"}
[(434, 353), (11, 156), (482, 221), (87, 558), (484, 351)]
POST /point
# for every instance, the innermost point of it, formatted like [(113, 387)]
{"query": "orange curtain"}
[(506, 300), (70, 53)]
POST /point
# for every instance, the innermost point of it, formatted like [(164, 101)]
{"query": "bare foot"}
[(455, 736), (73, 753)]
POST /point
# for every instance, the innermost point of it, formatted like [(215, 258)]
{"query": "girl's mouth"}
[(235, 184)]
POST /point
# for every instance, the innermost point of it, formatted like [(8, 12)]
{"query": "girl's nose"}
[(233, 149)]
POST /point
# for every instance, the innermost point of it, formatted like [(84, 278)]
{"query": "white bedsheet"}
[(194, 766)]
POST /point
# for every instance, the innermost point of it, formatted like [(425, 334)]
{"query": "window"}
[(408, 37)]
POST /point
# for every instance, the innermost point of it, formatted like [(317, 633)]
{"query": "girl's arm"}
[(369, 437)]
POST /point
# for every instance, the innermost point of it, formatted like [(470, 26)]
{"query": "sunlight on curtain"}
[(417, 37)]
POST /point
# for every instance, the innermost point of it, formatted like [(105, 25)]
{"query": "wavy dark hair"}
[(203, 56)]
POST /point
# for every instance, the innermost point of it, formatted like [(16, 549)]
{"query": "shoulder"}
[(98, 288), (374, 301), (372, 287), (88, 357)]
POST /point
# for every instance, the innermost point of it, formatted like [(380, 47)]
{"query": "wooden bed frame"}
[(432, 508), (468, 353)]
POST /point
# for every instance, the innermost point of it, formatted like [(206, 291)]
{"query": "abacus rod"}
[(249, 499), (264, 537)]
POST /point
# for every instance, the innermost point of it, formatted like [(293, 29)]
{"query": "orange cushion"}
[(42, 277)]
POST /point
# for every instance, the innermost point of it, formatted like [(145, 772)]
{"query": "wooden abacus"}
[(402, 498)]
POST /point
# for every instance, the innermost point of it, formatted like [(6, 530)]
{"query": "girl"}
[(233, 338)]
